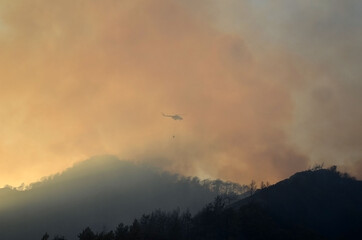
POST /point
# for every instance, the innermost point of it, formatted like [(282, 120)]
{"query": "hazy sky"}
[(267, 88)]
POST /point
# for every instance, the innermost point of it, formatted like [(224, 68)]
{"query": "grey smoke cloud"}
[(266, 86), (325, 36)]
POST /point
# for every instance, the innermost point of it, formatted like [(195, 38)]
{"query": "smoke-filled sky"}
[(266, 88)]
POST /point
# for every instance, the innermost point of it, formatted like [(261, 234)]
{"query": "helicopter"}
[(174, 117)]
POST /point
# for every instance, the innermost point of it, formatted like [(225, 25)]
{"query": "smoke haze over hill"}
[(100, 192)]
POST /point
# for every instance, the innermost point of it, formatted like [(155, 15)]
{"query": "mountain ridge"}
[(323, 200), (100, 192)]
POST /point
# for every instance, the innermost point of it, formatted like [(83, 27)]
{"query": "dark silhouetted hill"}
[(315, 205), (323, 201), (99, 198), (99, 193)]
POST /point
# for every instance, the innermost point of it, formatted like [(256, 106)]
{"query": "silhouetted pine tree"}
[(45, 236), (122, 232), (87, 234)]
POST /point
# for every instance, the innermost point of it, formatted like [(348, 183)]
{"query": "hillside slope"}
[(323, 201), (100, 193)]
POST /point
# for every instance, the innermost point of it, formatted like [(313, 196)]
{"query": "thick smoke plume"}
[(81, 78)]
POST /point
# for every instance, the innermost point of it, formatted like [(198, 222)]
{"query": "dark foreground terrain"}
[(314, 204), (100, 193)]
